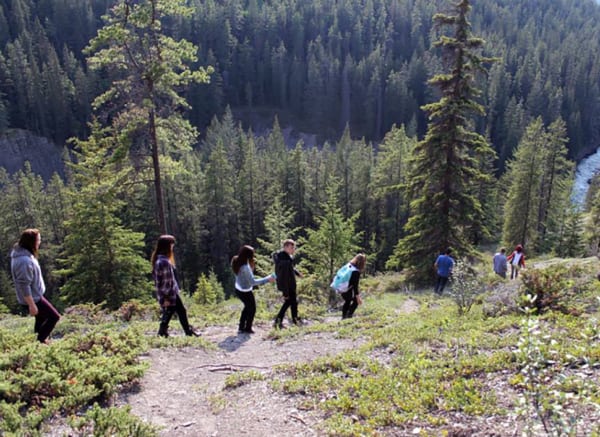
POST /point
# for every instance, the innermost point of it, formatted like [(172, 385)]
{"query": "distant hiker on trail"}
[(286, 282), (243, 266), (443, 265), (517, 261), (29, 283), (348, 287), (499, 261), (167, 289)]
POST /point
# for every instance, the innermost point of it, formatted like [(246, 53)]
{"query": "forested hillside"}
[(144, 163), (320, 65)]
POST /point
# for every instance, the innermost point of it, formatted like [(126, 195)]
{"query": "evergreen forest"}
[(394, 128), (155, 111)]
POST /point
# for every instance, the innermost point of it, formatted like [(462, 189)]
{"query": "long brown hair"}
[(245, 255), (163, 247), (28, 239), (359, 261)]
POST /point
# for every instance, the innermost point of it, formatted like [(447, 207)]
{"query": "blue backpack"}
[(341, 281)]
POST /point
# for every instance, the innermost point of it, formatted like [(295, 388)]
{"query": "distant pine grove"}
[(320, 64), (416, 159)]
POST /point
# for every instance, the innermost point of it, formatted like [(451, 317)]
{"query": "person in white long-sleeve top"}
[(243, 266)]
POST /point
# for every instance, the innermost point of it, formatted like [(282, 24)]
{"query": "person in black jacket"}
[(352, 296), (286, 281)]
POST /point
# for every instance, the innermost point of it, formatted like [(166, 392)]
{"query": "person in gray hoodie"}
[(29, 283)]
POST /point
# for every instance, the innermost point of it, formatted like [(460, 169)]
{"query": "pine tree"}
[(446, 164), (102, 260), (149, 69)]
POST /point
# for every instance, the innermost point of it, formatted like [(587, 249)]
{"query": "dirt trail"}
[(183, 391)]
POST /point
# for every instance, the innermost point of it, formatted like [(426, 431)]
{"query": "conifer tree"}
[(523, 183), (333, 241), (446, 164), (149, 68), (279, 226), (556, 183), (390, 177), (102, 260), (592, 224), (569, 240)]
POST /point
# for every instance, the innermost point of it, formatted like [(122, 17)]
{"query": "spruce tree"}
[(446, 164), (332, 243), (390, 177), (279, 226), (102, 260)]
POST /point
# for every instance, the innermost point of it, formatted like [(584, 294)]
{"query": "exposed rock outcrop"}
[(18, 146)]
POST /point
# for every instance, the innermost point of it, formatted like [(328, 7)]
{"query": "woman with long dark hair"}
[(167, 289), (29, 283), (243, 266), (351, 296)]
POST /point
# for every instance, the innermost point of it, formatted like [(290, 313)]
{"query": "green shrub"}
[(115, 422), (550, 289), (40, 381)]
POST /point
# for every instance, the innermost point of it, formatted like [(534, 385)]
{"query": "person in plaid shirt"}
[(167, 289)]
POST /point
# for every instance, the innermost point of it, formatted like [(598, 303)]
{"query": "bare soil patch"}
[(184, 391)]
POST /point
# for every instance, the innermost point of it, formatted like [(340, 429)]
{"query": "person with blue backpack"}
[(346, 283)]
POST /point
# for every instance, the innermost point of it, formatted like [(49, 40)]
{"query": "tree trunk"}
[(160, 207)]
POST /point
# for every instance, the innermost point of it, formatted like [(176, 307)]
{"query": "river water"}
[(585, 170)]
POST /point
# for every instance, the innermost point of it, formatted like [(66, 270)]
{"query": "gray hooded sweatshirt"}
[(27, 275)]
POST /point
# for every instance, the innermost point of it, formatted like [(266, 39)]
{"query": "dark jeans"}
[(441, 283), (247, 317), (45, 320), (290, 302), (167, 313), (350, 304)]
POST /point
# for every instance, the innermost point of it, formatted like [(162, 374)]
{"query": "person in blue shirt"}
[(443, 265)]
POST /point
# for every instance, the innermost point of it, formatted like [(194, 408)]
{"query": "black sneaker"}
[(192, 333), (278, 324)]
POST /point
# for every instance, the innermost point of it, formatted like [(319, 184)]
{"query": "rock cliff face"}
[(18, 146)]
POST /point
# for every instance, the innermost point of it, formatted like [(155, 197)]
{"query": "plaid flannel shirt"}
[(164, 280)]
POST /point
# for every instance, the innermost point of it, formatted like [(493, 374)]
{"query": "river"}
[(585, 170)]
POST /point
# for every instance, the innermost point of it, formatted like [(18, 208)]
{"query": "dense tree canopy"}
[(320, 64)]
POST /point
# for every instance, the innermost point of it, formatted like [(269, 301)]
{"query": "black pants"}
[(45, 319), (247, 317), (290, 302), (350, 304), (167, 313), (441, 283)]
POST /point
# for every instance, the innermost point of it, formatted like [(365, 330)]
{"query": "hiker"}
[(351, 296), (286, 282), (29, 284), (167, 289), (242, 265), (499, 262), (443, 266), (517, 261)]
